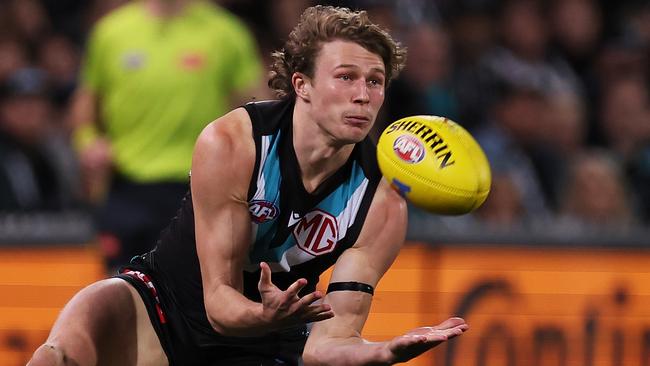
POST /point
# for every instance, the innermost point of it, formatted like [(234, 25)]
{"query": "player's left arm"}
[(338, 341)]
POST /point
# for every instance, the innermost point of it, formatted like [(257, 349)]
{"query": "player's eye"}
[(376, 81)]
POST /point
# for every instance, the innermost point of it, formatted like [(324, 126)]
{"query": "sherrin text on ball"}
[(435, 164)]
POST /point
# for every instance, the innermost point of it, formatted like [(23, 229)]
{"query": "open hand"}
[(420, 340), (283, 308)]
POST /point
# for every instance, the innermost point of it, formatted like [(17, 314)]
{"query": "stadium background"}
[(553, 270)]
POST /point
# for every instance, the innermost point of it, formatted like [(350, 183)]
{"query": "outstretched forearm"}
[(353, 351)]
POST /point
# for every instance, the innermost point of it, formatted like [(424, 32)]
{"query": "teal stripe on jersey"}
[(268, 187), (339, 199), (343, 204)]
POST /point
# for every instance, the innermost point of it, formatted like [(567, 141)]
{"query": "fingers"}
[(455, 332), (409, 340), (295, 288), (419, 340), (265, 281), (450, 323), (310, 312), (450, 328), (429, 339), (318, 312), (310, 298), (265, 275), (438, 335), (314, 312), (320, 316)]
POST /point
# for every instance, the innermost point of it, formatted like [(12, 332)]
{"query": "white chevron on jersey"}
[(294, 218), (261, 182)]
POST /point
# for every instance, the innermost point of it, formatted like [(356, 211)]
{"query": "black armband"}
[(350, 286)]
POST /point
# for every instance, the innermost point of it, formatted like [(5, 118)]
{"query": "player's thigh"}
[(106, 324), (149, 349)]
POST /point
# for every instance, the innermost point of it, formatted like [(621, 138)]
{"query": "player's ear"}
[(302, 85)]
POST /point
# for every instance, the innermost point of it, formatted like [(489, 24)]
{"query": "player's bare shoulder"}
[(229, 137), (232, 132), (224, 154)]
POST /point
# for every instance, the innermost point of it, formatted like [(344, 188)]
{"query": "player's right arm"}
[(222, 166)]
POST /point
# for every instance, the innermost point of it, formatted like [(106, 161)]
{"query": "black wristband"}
[(351, 286)]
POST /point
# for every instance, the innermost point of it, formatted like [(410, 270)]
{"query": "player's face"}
[(347, 90)]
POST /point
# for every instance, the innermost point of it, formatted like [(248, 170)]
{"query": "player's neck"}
[(318, 155)]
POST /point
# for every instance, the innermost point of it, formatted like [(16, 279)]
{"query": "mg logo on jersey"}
[(409, 148), (262, 211), (317, 232)]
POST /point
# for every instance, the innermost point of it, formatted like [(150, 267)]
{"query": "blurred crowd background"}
[(556, 92)]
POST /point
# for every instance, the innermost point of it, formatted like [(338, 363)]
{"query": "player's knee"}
[(48, 355)]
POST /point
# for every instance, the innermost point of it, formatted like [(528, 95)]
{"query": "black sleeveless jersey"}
[(299, 233)]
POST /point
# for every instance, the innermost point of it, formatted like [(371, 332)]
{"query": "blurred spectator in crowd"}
[(621, 58), (524, 56), (59, 58), (596, 196), (28, 20), (13, 56), (67, 17), (37, 169), (559, 136), (155, 73), (512, 130), (564, 124), (577, 29), (425, 86), (576, 26), (625, 118), (473, 32), (640, 23)]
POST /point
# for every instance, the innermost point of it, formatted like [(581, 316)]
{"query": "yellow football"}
[(435, 164)]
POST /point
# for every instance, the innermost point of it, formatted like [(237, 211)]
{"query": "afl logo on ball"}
[(262, 211), (409, 148)]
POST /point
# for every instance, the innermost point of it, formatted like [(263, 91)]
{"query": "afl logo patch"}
[(262, 211), (409, 148)]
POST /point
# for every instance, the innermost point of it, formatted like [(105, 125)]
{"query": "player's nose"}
[(361, 94)]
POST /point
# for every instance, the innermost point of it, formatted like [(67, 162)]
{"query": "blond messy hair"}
[(320, 24)]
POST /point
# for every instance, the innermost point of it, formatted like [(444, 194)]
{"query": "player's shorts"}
[(177, 336)]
